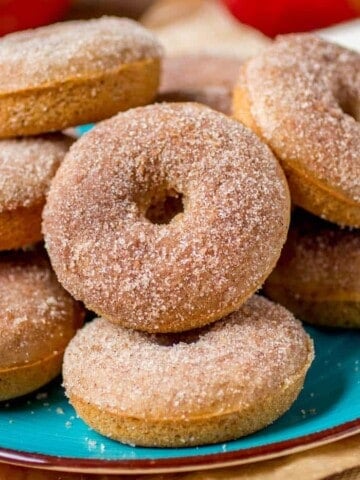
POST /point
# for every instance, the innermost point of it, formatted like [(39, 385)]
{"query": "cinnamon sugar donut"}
[(318, 274), (203, 78), (75, 72), (114, 239), (302, 96), (37, 320), (26, 168), (211, 385)]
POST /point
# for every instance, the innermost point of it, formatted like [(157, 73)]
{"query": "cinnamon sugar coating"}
[(75, 72), (239, 364), (72, 49), (27, 166), (302, 95), (204, 263), (38, 318), (318, 274)]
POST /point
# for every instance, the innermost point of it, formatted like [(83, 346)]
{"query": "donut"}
[(27, 165), (38, 318), (166, 217), (318, 274), (75, 72), (215, 384), (302, 96), (203, 78)]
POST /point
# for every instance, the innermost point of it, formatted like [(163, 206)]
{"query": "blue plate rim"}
[(185, 463)]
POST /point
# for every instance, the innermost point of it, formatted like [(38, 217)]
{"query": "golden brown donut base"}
[(193, 431), (60, 105), (20, 227), (20, 380), (318, 311), (320, 200), (305, 190)]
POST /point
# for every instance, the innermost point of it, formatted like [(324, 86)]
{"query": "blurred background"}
[(235, 27)]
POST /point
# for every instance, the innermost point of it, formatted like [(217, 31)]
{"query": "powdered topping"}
[(235, 363), (27, 166), (305, 97), (37, 317), (180, 275), (320, 257), (72, 49)]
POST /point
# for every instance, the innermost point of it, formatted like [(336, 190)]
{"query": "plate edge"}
[(181, 464)]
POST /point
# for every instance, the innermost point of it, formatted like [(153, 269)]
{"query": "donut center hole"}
[(349, 106), (165, 207), (172, 339)]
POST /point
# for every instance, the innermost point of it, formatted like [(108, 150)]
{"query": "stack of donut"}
[(52, 78), (166, 219), (302, 97)]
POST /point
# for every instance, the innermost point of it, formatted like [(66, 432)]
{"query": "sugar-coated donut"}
[(211, 385), (203, 78), (113, 243), (318, 274), (37, 320), (302, 96), (27, 167), (75, 72)]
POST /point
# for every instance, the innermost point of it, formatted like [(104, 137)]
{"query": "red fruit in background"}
[(22, 14), (285, 16)]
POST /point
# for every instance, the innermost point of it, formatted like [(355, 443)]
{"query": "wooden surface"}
[(339, 458)]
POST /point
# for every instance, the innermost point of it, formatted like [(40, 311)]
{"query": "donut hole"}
[(172, 339), (165, 207), (350, 106)]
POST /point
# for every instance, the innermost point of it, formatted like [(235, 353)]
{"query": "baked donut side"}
[(301, 97), (27, 167), (21, 380), (188, 270), (317, 276), (38, 319), (212, 385), (202, 78), (86, 71), (67, 103), (20, 227)]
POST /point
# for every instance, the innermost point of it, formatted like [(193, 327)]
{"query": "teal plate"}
[(42, 430)]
